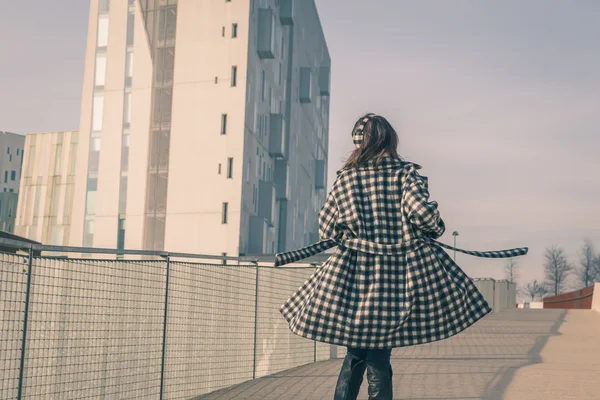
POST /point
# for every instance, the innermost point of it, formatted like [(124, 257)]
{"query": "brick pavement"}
[(512, 355)]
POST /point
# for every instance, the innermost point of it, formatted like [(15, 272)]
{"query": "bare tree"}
[(596, 269), (542, 290), (533, 289), (557, 269), (511, 270), (587, 264)]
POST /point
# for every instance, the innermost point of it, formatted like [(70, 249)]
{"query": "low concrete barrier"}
[(500, 294), (596, 297)]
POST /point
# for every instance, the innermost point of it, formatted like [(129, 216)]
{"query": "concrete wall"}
[(500, 295), (596, 298)]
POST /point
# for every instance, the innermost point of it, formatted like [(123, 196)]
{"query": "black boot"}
[(380, 381), (350, 379)]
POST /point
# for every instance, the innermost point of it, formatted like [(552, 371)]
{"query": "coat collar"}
[(385, 163)]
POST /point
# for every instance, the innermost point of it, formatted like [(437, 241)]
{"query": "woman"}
[(389, 283)]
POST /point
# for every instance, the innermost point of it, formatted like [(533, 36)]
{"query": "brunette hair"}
[(378, 139)]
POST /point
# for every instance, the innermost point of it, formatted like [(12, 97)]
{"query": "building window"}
[(223, 124), (5, 176), (230, 168), (58, 159), (223, 31), (13, 175), (224, 260), (127, 108), (219, 168), (100, 73), (280, 74), (263, 86), (128, 67), (17, 151), (130, 19), (234, 30), (88, 233), (121, 234), (94, 158), (97, 110), (103, 5), (224, 213), (234, 76), (102, 39), (30, 163), (11, 190)]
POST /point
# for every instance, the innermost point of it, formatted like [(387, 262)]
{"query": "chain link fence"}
[(173, 327)]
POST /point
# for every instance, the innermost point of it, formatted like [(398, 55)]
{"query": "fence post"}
[(255, 322), (164, 343), (25, 320), (315, 342)]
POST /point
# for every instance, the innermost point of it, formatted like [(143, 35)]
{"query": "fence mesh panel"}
[(96, 327), (13, 287), (276, 348), (210, 329)]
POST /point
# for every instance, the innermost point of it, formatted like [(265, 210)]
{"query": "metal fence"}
[(172, 327)]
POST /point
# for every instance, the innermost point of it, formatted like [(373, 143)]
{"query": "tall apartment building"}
[(46, 194), (11, 160), (204, 126)]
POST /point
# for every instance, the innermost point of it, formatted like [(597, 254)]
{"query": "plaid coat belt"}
[(366, 246)]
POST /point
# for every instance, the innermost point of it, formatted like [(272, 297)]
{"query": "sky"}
[(499, 101)]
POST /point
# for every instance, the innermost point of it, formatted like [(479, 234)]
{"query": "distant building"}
[(46, 199), (11, 159), (204, 126), (8, 211)]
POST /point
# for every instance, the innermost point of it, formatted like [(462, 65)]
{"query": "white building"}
[(46, 198), (204, 126)]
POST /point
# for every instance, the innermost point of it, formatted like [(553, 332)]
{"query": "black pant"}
[(374, 356)]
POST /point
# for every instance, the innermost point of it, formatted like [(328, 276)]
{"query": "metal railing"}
[(156, 325)]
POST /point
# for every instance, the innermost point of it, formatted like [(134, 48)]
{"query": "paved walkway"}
[(512, 355)]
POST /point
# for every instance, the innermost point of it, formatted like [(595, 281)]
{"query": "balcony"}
[(286, 12), (320, 174), (305, 85), (277, 136), (281, 179), (257, 237), (266, 33), (324, 80), (266, 201)]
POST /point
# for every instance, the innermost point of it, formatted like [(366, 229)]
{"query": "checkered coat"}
[(389, 283)]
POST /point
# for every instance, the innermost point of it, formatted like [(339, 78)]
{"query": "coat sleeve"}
[(328, 218), (422, 213)]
